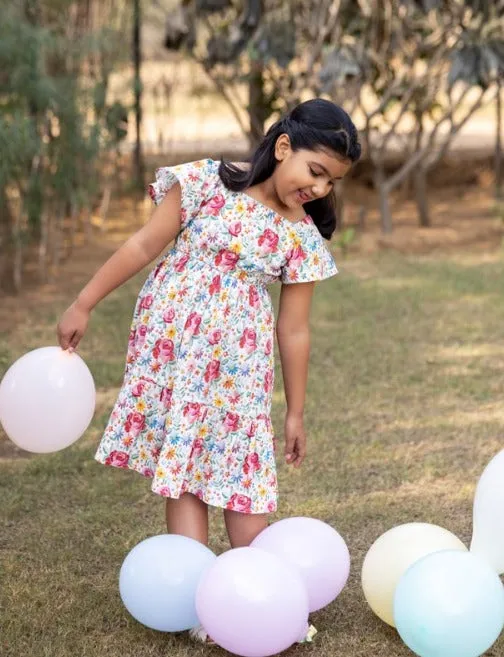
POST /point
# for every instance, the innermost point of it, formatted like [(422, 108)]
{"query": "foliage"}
[(55, 125)]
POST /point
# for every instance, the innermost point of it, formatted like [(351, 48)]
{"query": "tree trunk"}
[(422, 203), (43, 245), (6, 250), (137, 62), (34, 194), (383, 191), (499, 191), (339, 204), (257, 109), (72, 229)]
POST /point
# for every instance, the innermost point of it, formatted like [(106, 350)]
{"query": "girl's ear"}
[(282, 147)]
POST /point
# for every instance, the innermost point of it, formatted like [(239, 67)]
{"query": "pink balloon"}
[(251, 603), (316, 550)]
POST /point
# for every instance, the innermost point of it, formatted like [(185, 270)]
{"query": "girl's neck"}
[(266, 194)]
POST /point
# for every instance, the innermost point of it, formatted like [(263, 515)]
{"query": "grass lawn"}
[(404, 411)]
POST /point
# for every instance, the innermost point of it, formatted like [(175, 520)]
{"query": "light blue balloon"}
[(159, 578), (449, 604)]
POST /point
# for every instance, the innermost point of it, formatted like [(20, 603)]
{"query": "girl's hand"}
[(295, 440), (72, 326)]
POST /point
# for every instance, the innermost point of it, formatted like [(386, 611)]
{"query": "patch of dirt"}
[(462, 218)]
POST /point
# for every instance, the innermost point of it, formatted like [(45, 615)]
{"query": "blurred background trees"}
[(56, 129), (411, 72)]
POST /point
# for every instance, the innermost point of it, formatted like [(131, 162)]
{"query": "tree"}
[(259, 44), (55, 59), (137, 87), (400, 64)]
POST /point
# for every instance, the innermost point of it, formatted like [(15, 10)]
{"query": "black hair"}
[(312, 125)]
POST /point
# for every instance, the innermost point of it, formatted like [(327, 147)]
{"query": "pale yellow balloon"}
[(392, 554)]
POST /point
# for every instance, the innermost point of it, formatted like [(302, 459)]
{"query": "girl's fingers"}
[(289, 449), (300, 451), (75, 339)]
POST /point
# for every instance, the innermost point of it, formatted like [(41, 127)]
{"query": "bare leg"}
[(242, 528), (187, 516)]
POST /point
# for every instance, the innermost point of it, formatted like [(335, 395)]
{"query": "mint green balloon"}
[(449, 604)]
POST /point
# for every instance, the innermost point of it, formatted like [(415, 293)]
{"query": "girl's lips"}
[(304, 198)]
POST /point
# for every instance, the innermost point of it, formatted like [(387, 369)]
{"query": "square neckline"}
[(306, 218)]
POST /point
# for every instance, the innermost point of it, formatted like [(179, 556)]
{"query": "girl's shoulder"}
[(197, 168)]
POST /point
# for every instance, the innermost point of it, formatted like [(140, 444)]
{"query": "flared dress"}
[(193, 412)]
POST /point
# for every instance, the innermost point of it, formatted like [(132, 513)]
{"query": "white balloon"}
[(392, 554), (488, 515), (47, 400)]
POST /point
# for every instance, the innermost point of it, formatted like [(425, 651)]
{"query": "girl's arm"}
[(137, 252), (293, 334)]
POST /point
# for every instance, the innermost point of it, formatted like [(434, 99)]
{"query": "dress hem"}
[(204, 498)]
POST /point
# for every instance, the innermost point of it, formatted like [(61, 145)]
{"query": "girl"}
[(193, 413)]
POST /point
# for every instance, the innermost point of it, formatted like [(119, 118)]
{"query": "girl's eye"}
[(314, 173)]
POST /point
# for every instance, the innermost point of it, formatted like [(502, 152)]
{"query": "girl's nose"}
[(320, 189)]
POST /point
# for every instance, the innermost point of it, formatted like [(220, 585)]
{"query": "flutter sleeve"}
[(308, 260), (195, 180)]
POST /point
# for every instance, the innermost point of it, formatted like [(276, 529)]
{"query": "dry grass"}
[(404, 411)]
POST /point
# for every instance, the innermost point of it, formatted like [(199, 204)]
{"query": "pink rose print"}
[(197, 447), (268, 241), (152, 192), (215, 285), (214, 337), (253, 297), (252, 430), (226, 260), (117, 459), (163, 350), (166, 397), (132, 338), (235, 228), (135, 423), (192, 411), (268, 347), (231, 422), (147, 472), (240, 503), (181, 263), (248, 340), (141, 334), (252, 463), (168, 315), (137, 389), (271, 506), (212, 371), (158, 268), (146, 301), (164, 491), (193, 323), (295, 257), (268, 381), (215, 204)]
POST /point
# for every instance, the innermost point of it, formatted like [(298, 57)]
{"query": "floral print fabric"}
[(193, 413)]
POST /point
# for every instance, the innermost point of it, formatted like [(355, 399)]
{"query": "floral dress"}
[(193, 412)]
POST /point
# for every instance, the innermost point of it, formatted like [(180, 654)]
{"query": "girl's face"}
[(305, 175)]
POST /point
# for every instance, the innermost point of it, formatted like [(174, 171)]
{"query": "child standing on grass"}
[(193, 413)]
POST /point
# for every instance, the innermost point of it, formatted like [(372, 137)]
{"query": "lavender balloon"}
[(251, 603), (316, 550)]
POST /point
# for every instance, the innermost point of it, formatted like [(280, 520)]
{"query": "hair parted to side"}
[(312, 125)]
